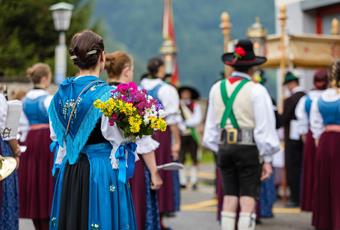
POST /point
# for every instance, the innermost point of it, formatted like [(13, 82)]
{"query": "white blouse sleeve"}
[(61, 150), (114, 136), (24, 127), (146, 145), (196, 117), (265, 135), (170, 101), (47, 101), (211, 136), (301, 117), (316, 120), (3, 111)]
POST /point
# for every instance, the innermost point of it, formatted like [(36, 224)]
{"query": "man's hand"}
[(156, 181), (267, 171)]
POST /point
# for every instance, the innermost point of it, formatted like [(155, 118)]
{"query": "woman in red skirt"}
[(169, 141), (35, 175), (309, 152), (325, 125)]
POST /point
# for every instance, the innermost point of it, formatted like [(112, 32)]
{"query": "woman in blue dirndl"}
[(119, 67), (95, 161), (9, 198)]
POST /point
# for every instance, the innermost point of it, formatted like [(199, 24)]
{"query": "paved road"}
[(199, 211)]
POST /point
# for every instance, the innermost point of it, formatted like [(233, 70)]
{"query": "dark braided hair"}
[(154, 64)]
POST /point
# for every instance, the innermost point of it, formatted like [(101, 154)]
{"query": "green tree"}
[(28, 36)]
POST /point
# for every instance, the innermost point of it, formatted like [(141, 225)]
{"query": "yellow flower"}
[(162, 124), (98, 104), (158, 124), (135, 123)]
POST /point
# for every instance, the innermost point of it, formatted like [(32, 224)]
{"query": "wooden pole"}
[(283, 20), (335, 27), (225, 27)]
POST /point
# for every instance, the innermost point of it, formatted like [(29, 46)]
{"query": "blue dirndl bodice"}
[(35, 110), (308, 105), (330, 111)]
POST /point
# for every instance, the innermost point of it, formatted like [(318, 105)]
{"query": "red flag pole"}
[(168, 49)]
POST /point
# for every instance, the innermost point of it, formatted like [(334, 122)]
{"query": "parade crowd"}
[(76, 168)]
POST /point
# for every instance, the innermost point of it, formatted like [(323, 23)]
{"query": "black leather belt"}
[(237, 136)]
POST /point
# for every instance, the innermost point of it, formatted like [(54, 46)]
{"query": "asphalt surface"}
[(199, 211)]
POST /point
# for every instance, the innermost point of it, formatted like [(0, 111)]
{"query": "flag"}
[(169, 33)]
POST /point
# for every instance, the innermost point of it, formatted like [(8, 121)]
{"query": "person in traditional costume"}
[(35, 177), (240, 127), (95, 160), (9, 197), (302, 112), (325, 126), (169, 140), (292, 139), (119, 67), (191, 116), (268, 192)]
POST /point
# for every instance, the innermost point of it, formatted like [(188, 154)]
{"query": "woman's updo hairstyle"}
[(38, 71), (154, 64), (321, 79), (116, 62), (335, 73), (86, 48)]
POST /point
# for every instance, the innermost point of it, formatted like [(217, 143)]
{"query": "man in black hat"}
[(292, 138), (192, 117), (240, 126)]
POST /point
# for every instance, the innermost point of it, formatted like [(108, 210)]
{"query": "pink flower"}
[(122, 88), (132, 86)]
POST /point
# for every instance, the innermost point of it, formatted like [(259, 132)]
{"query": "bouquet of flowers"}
[(133, 111)]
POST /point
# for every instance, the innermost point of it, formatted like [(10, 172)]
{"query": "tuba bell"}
[(7, 166)]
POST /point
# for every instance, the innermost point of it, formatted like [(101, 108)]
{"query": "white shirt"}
[(3, 111), (301, 114), (264, 133), (169, 98), (3, 117), (196, 117), (316, 120)]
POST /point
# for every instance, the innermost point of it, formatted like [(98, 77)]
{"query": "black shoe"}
[(194, 187), (166, 228), (170, 214), (183, 187), (258, 221), (291, 204)]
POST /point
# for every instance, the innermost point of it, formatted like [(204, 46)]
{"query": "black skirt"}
[(74, 203)]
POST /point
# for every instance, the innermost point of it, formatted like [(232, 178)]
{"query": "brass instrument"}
[(7, 166)]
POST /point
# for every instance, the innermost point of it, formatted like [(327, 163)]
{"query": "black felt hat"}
[(194, 93), (243, 55)]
